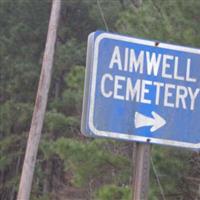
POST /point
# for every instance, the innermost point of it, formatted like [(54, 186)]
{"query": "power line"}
[(158, 180), (102, 15)]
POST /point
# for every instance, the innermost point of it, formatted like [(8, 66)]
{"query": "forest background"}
[(70, 166)]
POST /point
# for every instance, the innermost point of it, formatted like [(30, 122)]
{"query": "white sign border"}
[(93, 86)]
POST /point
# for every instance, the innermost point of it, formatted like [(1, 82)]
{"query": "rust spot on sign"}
[(148, 140), (156, 44)]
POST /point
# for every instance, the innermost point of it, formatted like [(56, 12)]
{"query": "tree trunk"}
[(12, 195), (47, 178), (137, 3)]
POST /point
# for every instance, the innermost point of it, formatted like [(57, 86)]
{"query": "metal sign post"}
[(141, 171)]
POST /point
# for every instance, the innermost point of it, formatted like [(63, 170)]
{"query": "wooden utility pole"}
[(141, 171), (40, 106)]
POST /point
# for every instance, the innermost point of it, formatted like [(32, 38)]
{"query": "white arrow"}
[(156, 122)]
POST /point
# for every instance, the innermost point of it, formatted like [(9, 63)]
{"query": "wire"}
[(158, 180), (102, 15)]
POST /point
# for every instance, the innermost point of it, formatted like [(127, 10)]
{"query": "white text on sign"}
[(167, 66)]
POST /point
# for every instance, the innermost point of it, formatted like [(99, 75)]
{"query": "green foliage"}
[(171, 166), (113, 192), (43, 197), (6, 146), (14, 116), (55, 122), (172, 21), (46, 148), (70, 102), (68, 55), (75, 79), (101, 167), (90, 160)]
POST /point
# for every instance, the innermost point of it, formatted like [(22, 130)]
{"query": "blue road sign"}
[(141, 90)]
